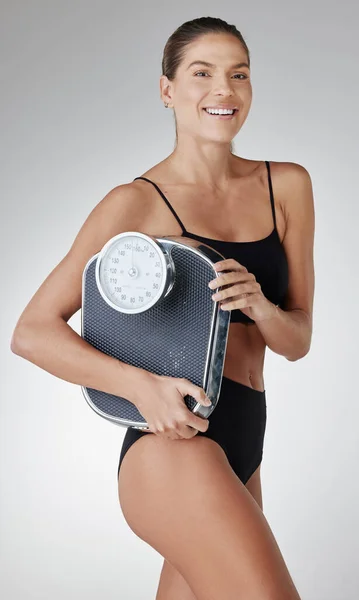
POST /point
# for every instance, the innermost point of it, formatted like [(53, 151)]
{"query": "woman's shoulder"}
[(124, 198), (287, 168), (278, 168), (287, 177)]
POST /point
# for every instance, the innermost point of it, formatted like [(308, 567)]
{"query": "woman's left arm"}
[(289, 332)]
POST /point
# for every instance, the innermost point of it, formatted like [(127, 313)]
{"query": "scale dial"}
[(133, 271)]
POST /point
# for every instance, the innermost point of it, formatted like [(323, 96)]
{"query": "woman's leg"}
[(171, 585), (183, 498)]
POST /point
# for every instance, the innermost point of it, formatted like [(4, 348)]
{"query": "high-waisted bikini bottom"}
[(237, 424)]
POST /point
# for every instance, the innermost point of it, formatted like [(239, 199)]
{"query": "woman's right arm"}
[(42, 334)]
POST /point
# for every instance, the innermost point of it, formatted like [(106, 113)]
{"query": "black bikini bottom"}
[(237, 424)]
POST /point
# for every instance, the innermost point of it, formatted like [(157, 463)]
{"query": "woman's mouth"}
[(222, 115)]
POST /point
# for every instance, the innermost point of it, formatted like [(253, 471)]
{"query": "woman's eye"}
[(206, 73)]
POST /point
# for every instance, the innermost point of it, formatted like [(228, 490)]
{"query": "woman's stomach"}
[(245, 352)]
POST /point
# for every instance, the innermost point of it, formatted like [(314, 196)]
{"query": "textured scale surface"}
[(171, 338)]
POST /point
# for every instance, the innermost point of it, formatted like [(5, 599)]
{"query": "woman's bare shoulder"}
[(123, 208), (287, 173), (124, 202)]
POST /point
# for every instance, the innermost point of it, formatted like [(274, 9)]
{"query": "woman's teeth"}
[(219, 111)]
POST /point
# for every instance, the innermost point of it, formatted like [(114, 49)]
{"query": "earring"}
[(166, 105)]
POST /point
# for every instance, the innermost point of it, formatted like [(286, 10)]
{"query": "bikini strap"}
[(165, 199), (271, 193)]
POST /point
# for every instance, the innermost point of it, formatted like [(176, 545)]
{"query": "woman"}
[(199, 502)]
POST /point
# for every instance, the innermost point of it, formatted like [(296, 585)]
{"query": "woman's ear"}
[(165, 91)]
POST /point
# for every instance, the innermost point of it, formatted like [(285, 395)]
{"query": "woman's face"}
[(224, 81)]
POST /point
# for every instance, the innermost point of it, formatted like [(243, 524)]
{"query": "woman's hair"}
[(175, 48)]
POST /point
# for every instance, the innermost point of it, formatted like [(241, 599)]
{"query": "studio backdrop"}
[(81, 114)]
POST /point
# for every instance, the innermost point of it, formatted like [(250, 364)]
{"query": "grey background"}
[(80, 114)]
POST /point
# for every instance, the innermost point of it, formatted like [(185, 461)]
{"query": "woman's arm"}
[(42, 334), (289, 332)]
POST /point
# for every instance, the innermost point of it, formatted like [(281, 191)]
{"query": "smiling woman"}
[(191, 487)]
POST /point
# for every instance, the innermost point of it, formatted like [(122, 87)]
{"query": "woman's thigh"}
[(183, 498), (171, 583)]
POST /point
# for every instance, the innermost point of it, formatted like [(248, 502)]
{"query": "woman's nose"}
[(223, 86)]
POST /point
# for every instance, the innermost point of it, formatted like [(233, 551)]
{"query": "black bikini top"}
[(265, 258)]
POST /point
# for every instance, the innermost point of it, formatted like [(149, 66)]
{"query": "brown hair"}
[(175, 48)]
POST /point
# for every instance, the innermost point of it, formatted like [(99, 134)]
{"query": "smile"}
[(223, 115)]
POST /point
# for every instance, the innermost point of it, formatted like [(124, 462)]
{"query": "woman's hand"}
[(160, 400), (240, 290)]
